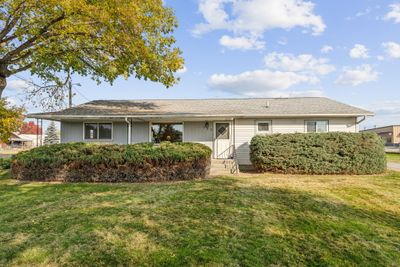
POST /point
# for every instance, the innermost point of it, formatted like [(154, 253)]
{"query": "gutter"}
[(141, 117)]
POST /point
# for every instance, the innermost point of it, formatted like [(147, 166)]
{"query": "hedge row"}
[(82, 162), (319, 153)]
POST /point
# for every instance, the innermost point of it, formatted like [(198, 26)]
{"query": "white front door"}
[(222, 140)]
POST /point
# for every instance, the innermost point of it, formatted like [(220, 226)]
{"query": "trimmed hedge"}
[(319, 153), (5, 163), (82, 162)]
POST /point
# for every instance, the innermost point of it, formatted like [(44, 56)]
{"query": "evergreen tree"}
[(51, 136)]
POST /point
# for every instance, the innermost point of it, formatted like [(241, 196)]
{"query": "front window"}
[(98, 131), (316, 126), (263, 127), (171, 132)]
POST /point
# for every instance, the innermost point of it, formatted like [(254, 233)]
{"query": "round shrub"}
[(319, 153), (83, 162), (5, 163)]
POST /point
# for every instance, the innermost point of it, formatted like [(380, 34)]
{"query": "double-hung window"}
[(316, 126), (98, 131)]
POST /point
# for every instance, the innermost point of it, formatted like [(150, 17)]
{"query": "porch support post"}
[(129, 130)]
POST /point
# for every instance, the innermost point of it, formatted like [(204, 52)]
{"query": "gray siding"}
[(198, 133), (140, 132), (71, 131), (245, 129), (120, 133)]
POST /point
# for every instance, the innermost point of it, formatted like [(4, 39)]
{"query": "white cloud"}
[(258, 82), (283, 41), (380, 58), (251, 18), (394, 13), (326, 49), (17, 85), (214, 14), (281, 72), (307, 93), (392, 49), (359, 51), (358, 75), (241, 43), (302, 63), (12, 101), (182, 70)]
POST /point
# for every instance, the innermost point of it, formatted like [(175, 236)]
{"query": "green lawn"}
[(243, 221), (393, 157)]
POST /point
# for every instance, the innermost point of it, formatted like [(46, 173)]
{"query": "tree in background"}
[(51, 136), (30, 128), (11, 119), (102, 39)]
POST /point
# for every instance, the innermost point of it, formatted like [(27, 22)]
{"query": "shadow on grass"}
[(191, 223)]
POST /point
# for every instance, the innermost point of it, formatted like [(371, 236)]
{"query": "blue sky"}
[(346, 50)]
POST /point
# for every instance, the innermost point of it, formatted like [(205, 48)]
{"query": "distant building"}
[(389, 134), (18, 141)]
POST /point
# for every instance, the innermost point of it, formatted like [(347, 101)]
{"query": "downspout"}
[(129, 130), (358, 122)]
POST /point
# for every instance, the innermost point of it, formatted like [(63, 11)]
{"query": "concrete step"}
[(221, 166)]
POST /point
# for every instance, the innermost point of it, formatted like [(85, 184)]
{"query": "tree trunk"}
[(3, 84)]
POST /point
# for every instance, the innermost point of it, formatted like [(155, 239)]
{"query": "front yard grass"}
[(393, 157), (237, 221)]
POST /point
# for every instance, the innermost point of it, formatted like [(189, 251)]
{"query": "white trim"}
[(183, 131), (98, 132), (263, 132)]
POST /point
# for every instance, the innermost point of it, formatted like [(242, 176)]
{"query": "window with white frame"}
[(263, 127), (98, 131), (316, 126)]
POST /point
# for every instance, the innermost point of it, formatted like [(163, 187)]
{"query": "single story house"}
[(225, 125), (390, 134)]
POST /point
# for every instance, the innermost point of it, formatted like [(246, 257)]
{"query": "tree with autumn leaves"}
[(101, 39), (11, 120)]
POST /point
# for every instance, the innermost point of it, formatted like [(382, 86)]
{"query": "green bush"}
[(319, 153), (82, 162), (5, 163)]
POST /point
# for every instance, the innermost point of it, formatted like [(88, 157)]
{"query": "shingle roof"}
[(274, 107)]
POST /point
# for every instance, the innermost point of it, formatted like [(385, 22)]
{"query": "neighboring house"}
[(225, 125), (389, 134), (36, 139), (18, 141)]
